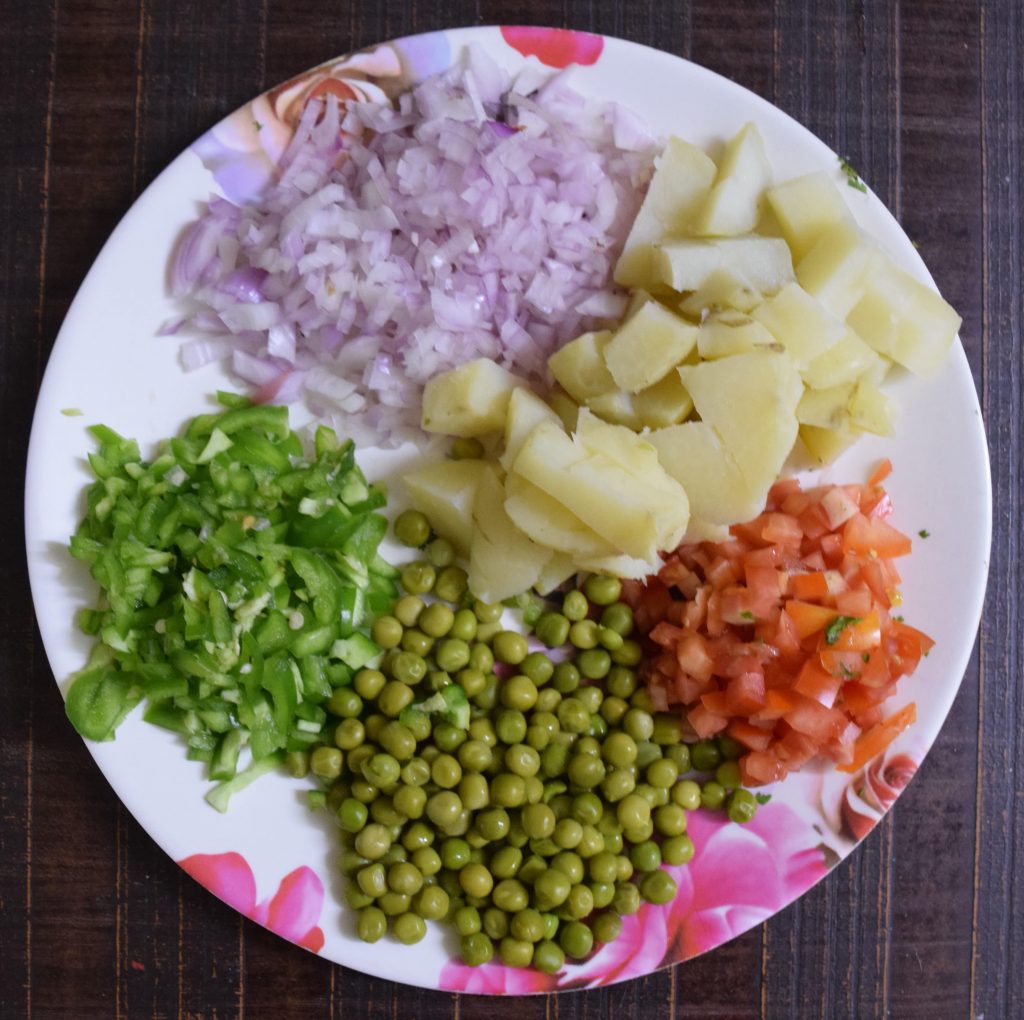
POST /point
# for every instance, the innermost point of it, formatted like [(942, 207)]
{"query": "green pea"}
[(686, 793), (629, 654), (382, 770), (603, 867), (352, 815), (518, 692), (409, 928), (387, 631), (371, 925), (481, 657), (638, 724), (551, 887), (417, 642), (464, 625), (609, 639), (297, 764), (407, 668), (446, 771), (587, 808), (522, 760), (474, 755), (515, 952), (451, 584), (412, 528), (670, 820), (404, 877), (441, 553), (418, 578), (554, 759), (548, 957), (705, 756), (583, 634), (538, 667), (677, 850), (619, 750), (448, 738), (548, 700), (662, 773), (580, 902), (680, 754), (432, 903), (552, 629), (326, 762), (645, 856), (510, 895), (627, 899), (618, 617), (730, 749), (568, 833), (508, 790), (658, 887), (509, 647), (573, 715), (602, 590), (415, 772), (452, 654), (467, 921), (569, 864), (607, 927), (528, 925), (359, 755), (639, 833), (574, 606), (625, 867), (741, 806), (488, 612), (506, 861), (632, 811), (590, 697), (604, 893), (476, 949), (620, 682), (728, 775), (712, 795), (483, 730), (619, 783), (576, 939), (428, 860), (369, 683), (476, 880), (443, 808), (372, 880), (538, 820), (345, 703), (349, 734), (586, 771), (407, 610), (566, 678), (493, 824), (532, 866), (510, 726)]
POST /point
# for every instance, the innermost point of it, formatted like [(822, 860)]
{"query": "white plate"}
[(269, 856)]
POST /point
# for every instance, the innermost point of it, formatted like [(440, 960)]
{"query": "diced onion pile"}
[(480, 217)]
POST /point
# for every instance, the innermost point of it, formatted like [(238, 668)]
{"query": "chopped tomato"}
[(782, 636)]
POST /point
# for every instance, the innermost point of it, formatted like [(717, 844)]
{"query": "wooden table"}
[(926, 919)]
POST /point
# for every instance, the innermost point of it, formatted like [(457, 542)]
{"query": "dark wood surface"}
[(925, 97)]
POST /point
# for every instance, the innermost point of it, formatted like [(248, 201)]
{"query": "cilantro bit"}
[(852, 177), (924, 533), (71, 412), (256, 124), (848, 674), (762, 798), (747, 614), (833, 630)]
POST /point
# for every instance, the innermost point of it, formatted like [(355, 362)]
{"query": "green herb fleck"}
[(747, 614), (848, 674), (256, 124), (71, 412), (865, 656), (838, 624), (924, 533), (898, 619), (762, 798), (852, 177)]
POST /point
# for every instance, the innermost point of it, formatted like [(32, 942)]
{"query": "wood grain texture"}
[(925, 97)]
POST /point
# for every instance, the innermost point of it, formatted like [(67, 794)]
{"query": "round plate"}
[(269, 856)]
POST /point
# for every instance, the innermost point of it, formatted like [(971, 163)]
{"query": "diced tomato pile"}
[(784, 636)]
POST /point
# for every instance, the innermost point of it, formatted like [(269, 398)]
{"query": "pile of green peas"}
[(538, 824)]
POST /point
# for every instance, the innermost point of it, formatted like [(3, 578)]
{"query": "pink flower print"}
[(292, 912), (869, 795), (555, 47), (494, 979)]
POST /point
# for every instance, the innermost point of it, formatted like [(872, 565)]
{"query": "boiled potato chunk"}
[(824, 445), (871, 410), (764, 262), (805, 208), (647, 346), (470, 400), (900, 317), (637, 517), (546, 521), (618, 407), (445, 492), (525, 412), (695, 456), (579, 366), (502, 560), (723, 288), (826, 409), (725, 333), (842, 363), (837, 267), (556, 571), (665, 403), (750, 400), (683, 174), (622, 445), (734, 204), (800, 323), (621, 566)]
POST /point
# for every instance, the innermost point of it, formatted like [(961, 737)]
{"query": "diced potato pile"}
[(679, 421)]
